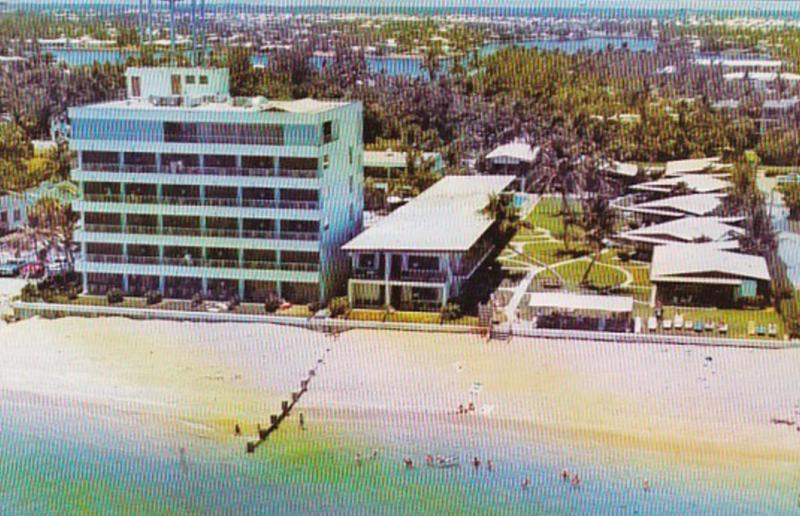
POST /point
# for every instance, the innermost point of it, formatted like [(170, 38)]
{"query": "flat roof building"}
[(385, 168), (187, 190), (514, 158), (422, 254)]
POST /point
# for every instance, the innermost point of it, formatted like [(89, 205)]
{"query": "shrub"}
[(114, 296), (197, 300), (272, 303), (315, 306), (451, 312), (233, 301), (30, 293), (153, 297), (72, 293), (339, 306)]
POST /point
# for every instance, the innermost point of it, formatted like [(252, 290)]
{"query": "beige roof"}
[(698, 183), (688, 229), (586, 302), (518, 151), (679, 206), (690, 166), (701, 263), (445, 217)]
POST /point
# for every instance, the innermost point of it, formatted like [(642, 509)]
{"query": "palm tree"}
[(54, 222), (598, 222), (569, 164), (505, 214)]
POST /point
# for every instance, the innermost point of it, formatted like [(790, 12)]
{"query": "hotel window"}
[(327, 132), (326, 161), (190, 79), (204, 79), (351, 154), (136, 87), (176, 84)]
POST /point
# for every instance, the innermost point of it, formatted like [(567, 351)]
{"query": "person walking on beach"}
[(302, 422), (476, 462), (237, 430), (408, 463), (184, 464), (576, 481)]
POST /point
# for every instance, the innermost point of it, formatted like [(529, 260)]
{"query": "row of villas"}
[(186, 190)]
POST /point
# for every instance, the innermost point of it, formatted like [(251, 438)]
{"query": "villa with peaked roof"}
[(704, 274), (693, 166), (660, 210), (422, 254), (684, 230), (694, 183)]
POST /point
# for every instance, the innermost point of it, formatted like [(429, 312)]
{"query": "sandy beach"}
[(702, 413)]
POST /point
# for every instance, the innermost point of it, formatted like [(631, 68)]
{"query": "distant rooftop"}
[(689, 229), (739, 63), (394, 159), (515, 151), (698, 183), (679, 206), (691, 166), (445, 217)]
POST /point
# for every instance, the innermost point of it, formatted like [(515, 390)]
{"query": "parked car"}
[(32, 270), (10, 268)]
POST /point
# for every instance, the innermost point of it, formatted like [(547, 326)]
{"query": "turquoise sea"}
[(63, 458)]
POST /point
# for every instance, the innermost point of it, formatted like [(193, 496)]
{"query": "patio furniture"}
[(761, 330), (687, 325), (666, 324), (652, 323), (699, 326), (677, 322), (722, 327), (772, 329), (710, 326), (751, 328)]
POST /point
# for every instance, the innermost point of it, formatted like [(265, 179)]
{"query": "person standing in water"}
[(302, 422)]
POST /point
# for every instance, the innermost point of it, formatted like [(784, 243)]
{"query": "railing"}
[(367, 273), (420, 305), (201, 262), (235, 140), (208, 171), (208, 201), (207, 232), (423, 275)]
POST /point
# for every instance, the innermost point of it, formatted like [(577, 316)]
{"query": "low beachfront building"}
[(705, 274), (679, 206), (515, 158), (423, 254), (571, 311), (186, 190), (684, 230)]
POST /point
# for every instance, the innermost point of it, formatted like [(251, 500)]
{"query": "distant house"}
[(385, 167), (513, 158), (740, 64), (780, 113), (703, 274), (14, 206), (684, 230), (423, 254), (762, 80), (679, 206)]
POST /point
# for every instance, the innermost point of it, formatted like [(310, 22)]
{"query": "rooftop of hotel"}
[(690, 166), (679, 206), (228, 104), (699, 183), (689, 229), (445, 217)]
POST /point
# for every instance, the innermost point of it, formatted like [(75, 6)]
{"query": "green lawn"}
[(547, 215), (601, 276), (553, 252), (639, 271), (737, 320)]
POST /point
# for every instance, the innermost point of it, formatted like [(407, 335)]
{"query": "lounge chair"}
[(637, 324), (710, 326), (751, 328), (761, 330), (687, 325), (699, 326), (652, 323), (677, 322), (666, 324), (722, 327)]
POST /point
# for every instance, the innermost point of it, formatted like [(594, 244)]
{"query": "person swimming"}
[(526, 483), (565, 474), (646, 484), (576, 480), (490, 465), (476, 462)]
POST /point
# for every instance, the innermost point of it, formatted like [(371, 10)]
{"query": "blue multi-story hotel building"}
[(187, 190)]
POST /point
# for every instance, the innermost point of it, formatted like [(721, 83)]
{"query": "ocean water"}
[(59, 458), (389, 65)]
